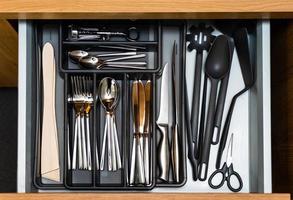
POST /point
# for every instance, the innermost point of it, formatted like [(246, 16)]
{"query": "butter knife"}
[(138, 110), (148, 86)]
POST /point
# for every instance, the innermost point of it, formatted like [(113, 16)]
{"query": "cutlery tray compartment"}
[(69, 71)]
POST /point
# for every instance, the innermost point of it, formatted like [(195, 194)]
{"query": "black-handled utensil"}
[(221, 100), (200, 39), (216, 68), (242, 48), (192, 146)]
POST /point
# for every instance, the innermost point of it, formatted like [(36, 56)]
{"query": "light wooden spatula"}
[(50, 168)]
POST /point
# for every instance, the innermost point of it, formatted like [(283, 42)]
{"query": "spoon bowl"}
[(218, 61), (76, 55), (108, 93)]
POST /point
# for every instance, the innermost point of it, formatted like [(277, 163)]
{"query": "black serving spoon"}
[(216, 68)]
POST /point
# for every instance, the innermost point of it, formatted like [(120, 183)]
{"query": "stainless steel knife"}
[(163, 124)]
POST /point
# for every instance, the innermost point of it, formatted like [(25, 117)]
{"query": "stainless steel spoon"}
[(108, 92), (76, 55)]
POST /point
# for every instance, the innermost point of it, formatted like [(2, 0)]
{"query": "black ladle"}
[(242, 48), (216, 68)]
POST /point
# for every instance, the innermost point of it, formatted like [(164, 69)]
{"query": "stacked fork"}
[(82, 99)]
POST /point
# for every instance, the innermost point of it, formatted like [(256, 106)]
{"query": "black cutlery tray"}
[(158, 38)]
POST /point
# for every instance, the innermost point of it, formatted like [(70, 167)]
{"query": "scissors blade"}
[(163, 118), (230, 151)]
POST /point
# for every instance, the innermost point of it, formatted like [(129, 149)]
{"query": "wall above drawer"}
[(159, 9)]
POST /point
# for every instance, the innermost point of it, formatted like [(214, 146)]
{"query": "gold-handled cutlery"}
[(141, 102), (146, 134), (138, 110)]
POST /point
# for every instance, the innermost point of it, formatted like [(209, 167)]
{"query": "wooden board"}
[(282, 105), (143, 196), (8, 55), (37, 9)]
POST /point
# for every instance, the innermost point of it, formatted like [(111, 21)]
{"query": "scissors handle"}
[(232, 173), (219, 172)]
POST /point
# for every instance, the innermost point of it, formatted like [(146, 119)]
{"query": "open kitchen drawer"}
[(250, 125)]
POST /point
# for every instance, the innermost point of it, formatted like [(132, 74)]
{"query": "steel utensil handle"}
[(164, 154), (109, 142), (80, 159), (113, 145), (133, 158), (83, 143), (203, 166), (175, 153), (89, 154), (118, 156), (146, 159), (140, 165), (74, 145), (104, 147)]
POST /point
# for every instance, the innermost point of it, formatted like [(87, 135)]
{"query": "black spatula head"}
[(242, 48)]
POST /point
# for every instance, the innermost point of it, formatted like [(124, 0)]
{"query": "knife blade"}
[(148, 86), (163, 122), (50, 168)]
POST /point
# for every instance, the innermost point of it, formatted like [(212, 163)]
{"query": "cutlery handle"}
[(113, 144), (118, 156), (80, 161), (140, 166), (102, 163), (146, 159), (164, 154), (133, 158), (74, 145), (203, 166), (196, 95), (83, 143), (89, 154), (175, 153), (109, 142), (219, 110)]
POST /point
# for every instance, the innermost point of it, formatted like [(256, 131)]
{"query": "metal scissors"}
[(227, 173)]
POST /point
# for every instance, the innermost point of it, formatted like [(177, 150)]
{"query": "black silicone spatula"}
[(242, 48), (216, 68)]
